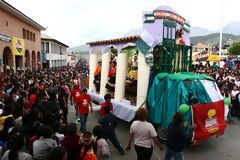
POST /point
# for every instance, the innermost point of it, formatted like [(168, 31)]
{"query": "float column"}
[(120, 76), (143, 79), (92, 66), (106, 57)]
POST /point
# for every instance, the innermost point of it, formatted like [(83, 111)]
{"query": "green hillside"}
[(213, 39)]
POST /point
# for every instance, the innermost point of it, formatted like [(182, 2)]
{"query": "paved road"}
[(226, 147)]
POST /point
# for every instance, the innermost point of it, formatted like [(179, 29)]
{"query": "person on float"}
[(84, 103), (131, 83), (75, 94), (179, 36), (112, 77), (97, 75)]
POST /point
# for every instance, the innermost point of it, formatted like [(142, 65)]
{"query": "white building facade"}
[(54, 52)]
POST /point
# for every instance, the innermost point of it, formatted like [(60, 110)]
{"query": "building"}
[(54, 52), (200, 48), (20, 40)]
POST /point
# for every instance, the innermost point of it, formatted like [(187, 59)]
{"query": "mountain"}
[(81, 49), (214, 39), (232, 28), (197, 31)]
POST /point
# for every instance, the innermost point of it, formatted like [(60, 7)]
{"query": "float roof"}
[(115, 40)]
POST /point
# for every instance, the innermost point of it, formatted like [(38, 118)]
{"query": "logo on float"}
[(211, 124)]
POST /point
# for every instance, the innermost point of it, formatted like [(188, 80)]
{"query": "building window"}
[(24, 33), (27, 35), (34, 37), (42, 46), (60, 50), (47, 47), (31, 36), (6, 23)]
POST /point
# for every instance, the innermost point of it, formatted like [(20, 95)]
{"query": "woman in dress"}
[(112, 76)]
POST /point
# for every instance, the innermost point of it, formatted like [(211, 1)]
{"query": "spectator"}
[(144, 134), (15, 146), (177, 137), (109, 123), (108, 102), (87, 141), (84, 103), (62, 100), (101, 148), (76, 92), (71, 142), (58, 153), (43, 146)]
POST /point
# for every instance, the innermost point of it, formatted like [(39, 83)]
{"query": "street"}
[(225, 147)]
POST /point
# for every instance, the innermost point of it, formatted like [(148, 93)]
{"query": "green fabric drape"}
[(183, 76), (166, 95)]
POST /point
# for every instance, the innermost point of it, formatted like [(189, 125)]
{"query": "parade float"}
[(162, 56)]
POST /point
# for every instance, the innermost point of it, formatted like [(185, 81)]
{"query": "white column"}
[(50, 47), (106, 57), (92, 66), (143, 79), (120, 76)]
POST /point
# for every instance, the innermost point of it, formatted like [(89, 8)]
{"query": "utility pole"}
[(221, 26)]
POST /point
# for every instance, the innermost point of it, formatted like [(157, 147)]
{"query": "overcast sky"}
[(76, 22)]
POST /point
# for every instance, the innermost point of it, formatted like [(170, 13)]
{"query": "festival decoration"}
[(227, 101), (184, 108)]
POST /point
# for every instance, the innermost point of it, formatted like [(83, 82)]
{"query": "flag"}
[(209, 118), (146, 41), (18, 46)]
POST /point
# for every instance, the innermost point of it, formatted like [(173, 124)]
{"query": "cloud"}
[(75, 22)]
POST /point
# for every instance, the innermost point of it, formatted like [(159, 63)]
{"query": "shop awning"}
[(204, 56)]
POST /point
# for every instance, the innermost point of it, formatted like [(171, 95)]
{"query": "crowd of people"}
[(34, 116), (227, 78)]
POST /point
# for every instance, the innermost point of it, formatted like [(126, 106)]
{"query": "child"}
[(108, 102), (15, 144), (71, 141), (101, 148), (58, 153), (87, 142), (43, 146)]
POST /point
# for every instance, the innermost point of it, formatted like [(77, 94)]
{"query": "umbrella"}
[(213, 58)]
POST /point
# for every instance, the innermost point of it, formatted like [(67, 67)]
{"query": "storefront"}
[(20, 41)]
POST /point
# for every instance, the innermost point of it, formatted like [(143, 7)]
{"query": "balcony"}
[(171, 58)]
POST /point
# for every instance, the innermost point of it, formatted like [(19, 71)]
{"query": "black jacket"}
[(177, 137), (109, 123)]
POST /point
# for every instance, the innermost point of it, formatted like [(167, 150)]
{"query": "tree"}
[(234, 49)]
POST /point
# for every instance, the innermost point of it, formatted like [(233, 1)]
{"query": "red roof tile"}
[(115, 40)]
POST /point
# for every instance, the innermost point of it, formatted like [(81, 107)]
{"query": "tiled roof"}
[(200, 45), (115, 40)]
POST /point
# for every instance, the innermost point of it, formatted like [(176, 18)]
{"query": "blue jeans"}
[(229, 116), (83, 119), (170, 153)]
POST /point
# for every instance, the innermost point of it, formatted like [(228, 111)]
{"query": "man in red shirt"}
[(107, 102), (75, 94), (84, 102)]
